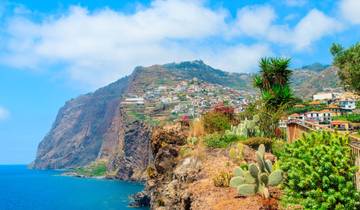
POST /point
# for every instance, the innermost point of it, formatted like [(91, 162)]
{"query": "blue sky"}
[(51, 51)]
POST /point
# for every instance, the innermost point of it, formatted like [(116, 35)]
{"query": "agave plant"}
[(257, 178)]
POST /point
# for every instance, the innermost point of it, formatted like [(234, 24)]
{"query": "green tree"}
[(273, 82), (348, 61), (320, 172)]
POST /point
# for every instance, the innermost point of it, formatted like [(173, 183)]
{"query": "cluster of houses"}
[(186, 98), (332, 104)]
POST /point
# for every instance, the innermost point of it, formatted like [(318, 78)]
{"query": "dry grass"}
[(197, 128)]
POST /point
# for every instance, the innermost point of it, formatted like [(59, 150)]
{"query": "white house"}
[(323, 96), (138, 100), (318, 116), (348, 104)]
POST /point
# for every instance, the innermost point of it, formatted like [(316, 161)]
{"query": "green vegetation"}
[(258, 178), (320, 173), (97, 168), (278, 147), (222, 179), (358, 104), (216, 122), (236, 153), (348, 60), (355, 118), (306, 108), (255, 142), (273, 82), (246, 128), (217, 140)]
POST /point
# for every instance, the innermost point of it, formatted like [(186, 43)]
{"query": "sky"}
[(52, 51)]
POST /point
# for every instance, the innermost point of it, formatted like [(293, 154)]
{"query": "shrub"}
[(222, 179), (216, 122), (255, 142), (320, 172), (278, 147), (216, 140), (236, 153)]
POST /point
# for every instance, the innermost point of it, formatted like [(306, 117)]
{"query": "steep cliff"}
[(85, 129)]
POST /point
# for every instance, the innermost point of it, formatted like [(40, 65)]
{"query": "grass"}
[(217, 140), (97, 168), (355, 118)]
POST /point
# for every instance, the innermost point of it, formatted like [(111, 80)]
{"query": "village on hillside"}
[(182, 100), (334, 110)]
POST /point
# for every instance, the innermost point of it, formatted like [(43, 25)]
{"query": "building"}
[(323, 116), (137, 101), (323, 96), (347, 104)]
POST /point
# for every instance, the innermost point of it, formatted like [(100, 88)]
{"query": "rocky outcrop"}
[(167, 177)]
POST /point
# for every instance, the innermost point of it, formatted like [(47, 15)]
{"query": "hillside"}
[(114, 123)]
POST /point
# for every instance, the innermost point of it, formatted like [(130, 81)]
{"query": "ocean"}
[(25, 189)]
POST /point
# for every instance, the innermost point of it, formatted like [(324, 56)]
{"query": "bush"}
[(216, 122), (216, 140), (320, 173), (355, 118), (278, 147), (222, 179), (255, 142)]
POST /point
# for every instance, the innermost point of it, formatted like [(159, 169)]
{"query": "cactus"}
[(258, 177), (246, 128)]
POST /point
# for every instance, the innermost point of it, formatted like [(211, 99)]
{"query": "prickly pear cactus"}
[(258, 177), (247, 128)]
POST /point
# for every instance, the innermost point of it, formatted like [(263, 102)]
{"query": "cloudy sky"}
[(51, 51)]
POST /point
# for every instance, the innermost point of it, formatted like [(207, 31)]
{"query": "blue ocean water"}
[(24, 189)]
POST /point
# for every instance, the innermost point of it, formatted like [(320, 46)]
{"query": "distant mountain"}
[(98, 126), (317, 67), (306, 82)]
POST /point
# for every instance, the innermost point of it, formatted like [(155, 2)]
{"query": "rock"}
[(140, 199), (188, 169)]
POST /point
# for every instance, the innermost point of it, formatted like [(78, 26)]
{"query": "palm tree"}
[(273, 82)]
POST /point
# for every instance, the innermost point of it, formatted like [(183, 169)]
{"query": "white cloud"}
[(350, 10), (95, 48), (4, 113), (254, 20), (312, 27), (259, 22)]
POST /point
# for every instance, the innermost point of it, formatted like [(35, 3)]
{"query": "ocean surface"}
[(24, 189)]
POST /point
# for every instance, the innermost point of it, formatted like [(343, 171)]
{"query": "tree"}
[(320, 172), (348, 61), (273, 82)]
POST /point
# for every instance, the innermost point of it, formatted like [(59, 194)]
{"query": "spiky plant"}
[(273, 81), (258, 178)]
